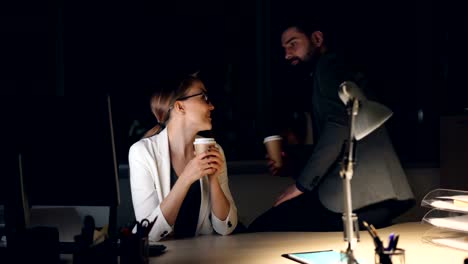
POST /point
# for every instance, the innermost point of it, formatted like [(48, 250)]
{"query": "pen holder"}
[(134, 249), (102, 253), (396, 256)]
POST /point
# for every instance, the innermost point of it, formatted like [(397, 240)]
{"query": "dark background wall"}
[(87, 48)]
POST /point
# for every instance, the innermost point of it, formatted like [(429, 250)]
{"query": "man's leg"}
[(303, 213), (381, 214)]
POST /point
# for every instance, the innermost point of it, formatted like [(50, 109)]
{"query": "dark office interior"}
[(87, 48)]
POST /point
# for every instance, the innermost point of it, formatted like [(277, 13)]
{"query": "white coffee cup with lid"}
[(203, 144), (274, 149)]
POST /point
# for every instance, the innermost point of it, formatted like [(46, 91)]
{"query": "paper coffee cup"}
[(273, 147), (203, 144)]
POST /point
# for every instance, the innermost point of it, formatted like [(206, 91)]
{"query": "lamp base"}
[(349, 257)]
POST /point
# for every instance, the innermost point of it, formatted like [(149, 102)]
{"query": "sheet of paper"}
[(458, 200), (455, 223), (449, 205), (461, 198), (457, 242)]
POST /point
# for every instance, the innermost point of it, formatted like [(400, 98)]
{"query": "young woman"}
[(185, 194)]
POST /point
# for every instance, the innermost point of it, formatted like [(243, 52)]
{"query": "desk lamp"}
[(365, 116)]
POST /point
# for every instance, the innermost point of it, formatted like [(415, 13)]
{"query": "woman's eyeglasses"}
[(205, 97)]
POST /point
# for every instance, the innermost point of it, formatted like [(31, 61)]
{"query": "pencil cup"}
[(396, 256), (134, 250)]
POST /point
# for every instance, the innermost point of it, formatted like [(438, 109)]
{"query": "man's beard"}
[(305, 66)]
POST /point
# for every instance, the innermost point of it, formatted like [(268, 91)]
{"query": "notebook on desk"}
[(315, 257), (318, 257)]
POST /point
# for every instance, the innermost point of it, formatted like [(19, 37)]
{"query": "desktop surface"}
[(268, 247)]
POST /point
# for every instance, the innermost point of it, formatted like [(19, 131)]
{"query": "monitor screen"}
[(68, 152), (15, 207)]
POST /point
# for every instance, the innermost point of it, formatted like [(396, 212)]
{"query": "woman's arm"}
[(219, 202), (145, 195), (224, 211), (170, 206)]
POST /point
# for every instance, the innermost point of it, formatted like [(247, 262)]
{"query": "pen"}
[(374, 230), (391, 239), (377, 242), (380, 246), (395, 242), (366, 225)]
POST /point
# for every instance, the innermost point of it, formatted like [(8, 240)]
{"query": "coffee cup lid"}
[(271, 138), (204, 141)]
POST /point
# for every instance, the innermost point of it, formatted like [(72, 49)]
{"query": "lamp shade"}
[(371, 115)]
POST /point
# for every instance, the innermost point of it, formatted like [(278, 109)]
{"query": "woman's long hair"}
[(163, 99)]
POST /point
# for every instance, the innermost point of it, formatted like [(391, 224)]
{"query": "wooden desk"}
[(267, 248)]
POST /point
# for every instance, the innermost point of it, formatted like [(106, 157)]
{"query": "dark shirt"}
[(187, 219)]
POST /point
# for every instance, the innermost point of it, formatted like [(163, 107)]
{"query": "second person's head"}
[(185, 101), (302, 43)]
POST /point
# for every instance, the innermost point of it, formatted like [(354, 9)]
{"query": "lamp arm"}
[(351, 230)]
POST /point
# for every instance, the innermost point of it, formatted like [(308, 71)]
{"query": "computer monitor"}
[(68, 152), (14, 198)]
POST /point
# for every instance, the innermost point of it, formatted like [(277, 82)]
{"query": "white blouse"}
[(150, 179)]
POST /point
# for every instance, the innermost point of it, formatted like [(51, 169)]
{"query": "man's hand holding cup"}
[(275, 154)]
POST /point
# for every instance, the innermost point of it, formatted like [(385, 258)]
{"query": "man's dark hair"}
[(307, 25)]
